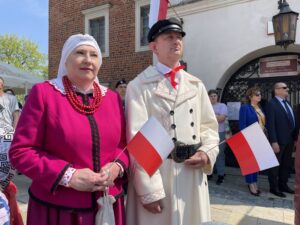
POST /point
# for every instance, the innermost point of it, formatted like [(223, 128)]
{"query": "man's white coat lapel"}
[(164, 89)]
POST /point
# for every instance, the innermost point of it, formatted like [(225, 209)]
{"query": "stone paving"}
[(22, 183), (231, 203)]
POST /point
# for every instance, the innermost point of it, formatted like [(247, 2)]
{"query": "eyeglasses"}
[(213, 96), (282, 87), (257, 94)]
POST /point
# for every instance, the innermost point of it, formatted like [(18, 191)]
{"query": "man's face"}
[(282, 90), (213, 98), (121, 89), (168, 46)]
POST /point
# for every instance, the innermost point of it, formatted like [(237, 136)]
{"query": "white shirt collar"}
[(279, 98), (163, 69)]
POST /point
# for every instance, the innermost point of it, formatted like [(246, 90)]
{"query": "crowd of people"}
[(280, 125), (71, 136)]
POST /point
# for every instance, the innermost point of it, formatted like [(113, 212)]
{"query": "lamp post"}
[(285, 24)]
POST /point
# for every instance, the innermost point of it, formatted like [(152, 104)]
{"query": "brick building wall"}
[(66, 18)]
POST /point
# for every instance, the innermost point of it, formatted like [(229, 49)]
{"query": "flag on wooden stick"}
[(151, 145), (252, 150)]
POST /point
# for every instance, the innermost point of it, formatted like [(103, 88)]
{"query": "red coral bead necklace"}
[(76, 103)]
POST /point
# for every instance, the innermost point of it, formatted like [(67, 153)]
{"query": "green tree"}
[(23, 54)]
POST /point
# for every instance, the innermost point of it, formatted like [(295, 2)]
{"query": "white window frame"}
[(94, 13), (138, 5)]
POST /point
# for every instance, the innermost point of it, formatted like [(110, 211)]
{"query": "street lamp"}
[(285, 24)]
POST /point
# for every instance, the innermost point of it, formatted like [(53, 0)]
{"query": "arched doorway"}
[(247, 76)]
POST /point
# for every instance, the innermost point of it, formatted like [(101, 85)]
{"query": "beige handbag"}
[(105, 214)]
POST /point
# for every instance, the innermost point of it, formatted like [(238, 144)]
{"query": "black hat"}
[(162, 26), (121, 82)]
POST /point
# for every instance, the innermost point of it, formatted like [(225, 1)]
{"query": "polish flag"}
[(151, 145), (252, 150), (158, 11)]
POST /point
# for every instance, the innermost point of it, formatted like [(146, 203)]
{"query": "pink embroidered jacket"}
[(51, 136)]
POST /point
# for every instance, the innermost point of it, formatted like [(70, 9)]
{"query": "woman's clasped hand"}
[(88, 180)]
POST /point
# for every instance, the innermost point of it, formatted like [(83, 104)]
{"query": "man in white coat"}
[(177, 194)]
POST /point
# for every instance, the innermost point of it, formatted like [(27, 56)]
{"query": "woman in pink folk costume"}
[(70, 132)]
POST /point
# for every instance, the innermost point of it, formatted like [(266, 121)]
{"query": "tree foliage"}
[(23, 54)]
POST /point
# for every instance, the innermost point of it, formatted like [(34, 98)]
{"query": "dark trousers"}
[(278, 176)]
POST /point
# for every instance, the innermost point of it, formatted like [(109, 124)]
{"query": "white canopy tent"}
[(16, 78)]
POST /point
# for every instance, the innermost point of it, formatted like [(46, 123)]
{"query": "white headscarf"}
[(71, 43)]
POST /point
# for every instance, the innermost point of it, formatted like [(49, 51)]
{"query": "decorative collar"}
[(58, 85)]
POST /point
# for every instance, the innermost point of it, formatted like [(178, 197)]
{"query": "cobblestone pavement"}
[(231, 203)]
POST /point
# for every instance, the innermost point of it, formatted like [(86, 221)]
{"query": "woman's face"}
[(83, 64), (256, 97)]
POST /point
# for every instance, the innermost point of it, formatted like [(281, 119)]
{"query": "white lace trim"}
[(152, 197), (65, 181), (56, 84)]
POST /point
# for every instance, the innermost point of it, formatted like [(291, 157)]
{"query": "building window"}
[(142, 8), (144, 25), (96, 23), (97, 30)]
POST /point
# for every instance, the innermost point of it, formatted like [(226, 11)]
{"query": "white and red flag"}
[(151, 145), (158, 11), (252, 150)]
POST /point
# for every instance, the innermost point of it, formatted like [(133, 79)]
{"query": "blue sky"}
[(26, 18)]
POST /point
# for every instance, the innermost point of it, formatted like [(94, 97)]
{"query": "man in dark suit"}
[(282, 132)]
